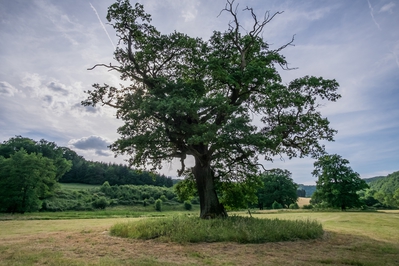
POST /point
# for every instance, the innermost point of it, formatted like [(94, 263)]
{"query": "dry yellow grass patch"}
[(303, 201)]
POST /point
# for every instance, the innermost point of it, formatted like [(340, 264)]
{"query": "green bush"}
[(183, 229), (151, 200), (187, 205), (294, 206), (195, 200), (307, 207), (163, 198), (100, 203), (276, 205), (158, 205)]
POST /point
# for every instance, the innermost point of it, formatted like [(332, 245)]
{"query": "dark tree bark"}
[(209, 202)]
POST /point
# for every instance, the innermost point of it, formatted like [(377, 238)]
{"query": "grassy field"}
[(77, 186), (303, 201), (351, 238)]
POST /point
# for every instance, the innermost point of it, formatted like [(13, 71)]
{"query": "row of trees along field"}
[(96, 173), (30, 171)]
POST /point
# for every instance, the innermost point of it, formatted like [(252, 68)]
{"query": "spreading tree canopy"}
[(190, 97), (279, 187), (25, 179), (337, 183)]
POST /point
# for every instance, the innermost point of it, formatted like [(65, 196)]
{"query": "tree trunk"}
[(209, 202)]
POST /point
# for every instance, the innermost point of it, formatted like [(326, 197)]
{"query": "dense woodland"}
[(81, 170), (96, 173)]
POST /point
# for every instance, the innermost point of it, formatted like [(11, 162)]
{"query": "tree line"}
[(30, 171), (96, 173)]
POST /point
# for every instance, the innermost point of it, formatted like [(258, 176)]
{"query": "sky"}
[(46, 47)]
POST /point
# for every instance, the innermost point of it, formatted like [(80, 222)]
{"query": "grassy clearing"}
[(77, 186), (303, 201), (350, 239), (183, 229), (377, 225), (110, 212)]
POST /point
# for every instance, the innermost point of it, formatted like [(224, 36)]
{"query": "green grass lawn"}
[(77, 186), (109, 212), (351, 238)]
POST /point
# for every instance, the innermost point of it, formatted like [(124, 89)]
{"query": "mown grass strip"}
[(238, 229)]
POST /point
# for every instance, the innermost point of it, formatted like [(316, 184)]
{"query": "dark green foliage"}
[(307, 207), (367, 197), (278, 186), (47, 149), (186, 96), (187, 205), (88, 172), (25, 180), (158, 205), (232, 229), (301, 193), (276, 206), (337, 183), (294, 206)]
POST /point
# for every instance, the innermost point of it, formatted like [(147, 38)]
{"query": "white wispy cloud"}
[(387, 7), (60, 20), (7, 89)]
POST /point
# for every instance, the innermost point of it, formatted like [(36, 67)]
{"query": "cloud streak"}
[(102, 25), (372, 15)]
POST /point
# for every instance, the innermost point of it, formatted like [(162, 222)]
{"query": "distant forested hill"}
[(308, 188), (371, 179), (83, 171), (96, 173), (388, 184)]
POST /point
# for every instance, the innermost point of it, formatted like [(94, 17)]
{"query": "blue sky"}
[(46, 47)]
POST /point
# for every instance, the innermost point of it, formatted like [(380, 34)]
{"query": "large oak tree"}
[(190, 97)]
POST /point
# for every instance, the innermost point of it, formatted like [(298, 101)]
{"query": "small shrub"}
[(163, 198), (294, 206), (158, 205), (100, 203), (276, 205), (307, 207), (151, 200), (187, 205)]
